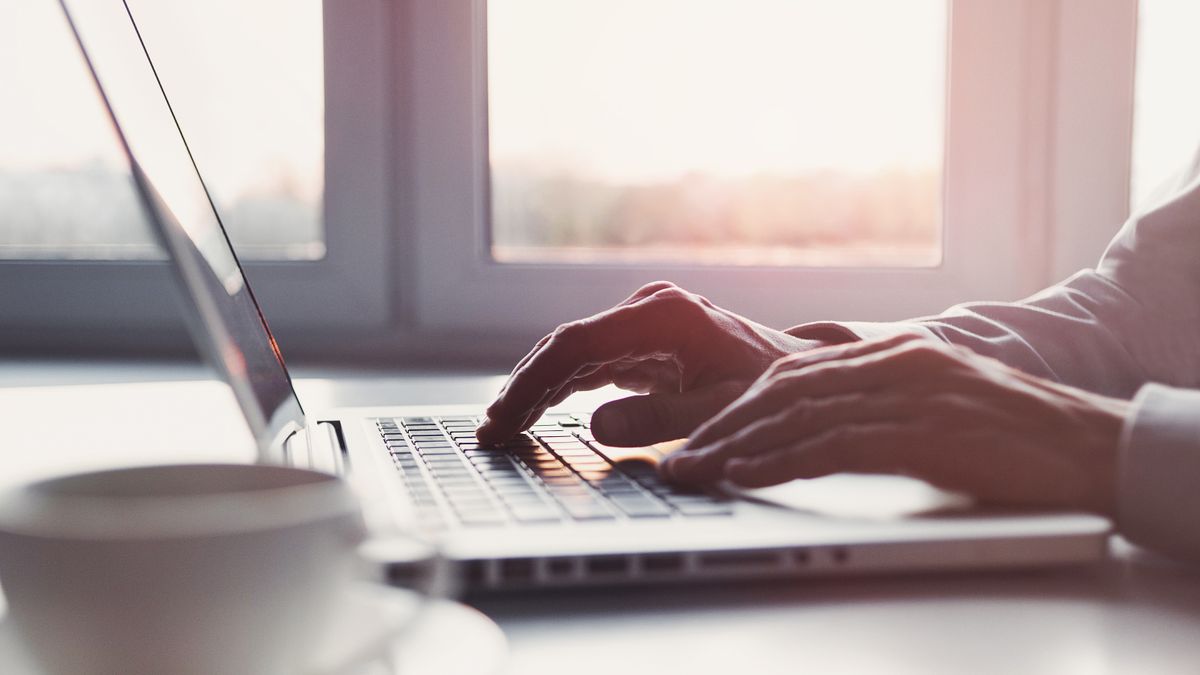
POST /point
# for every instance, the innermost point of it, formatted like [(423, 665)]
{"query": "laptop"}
[(552, 508)]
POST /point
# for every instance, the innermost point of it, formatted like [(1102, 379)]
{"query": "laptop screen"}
[(222, 314)]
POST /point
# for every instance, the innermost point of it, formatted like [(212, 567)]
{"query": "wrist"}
[(1102, 427)]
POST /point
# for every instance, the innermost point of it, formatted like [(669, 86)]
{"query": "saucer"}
[(392, 631)]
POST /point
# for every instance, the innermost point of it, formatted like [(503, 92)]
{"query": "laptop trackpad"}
[(860, 497)]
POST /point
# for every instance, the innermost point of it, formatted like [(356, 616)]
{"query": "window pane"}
[(246, 82), (789, 132), (1167, 103)]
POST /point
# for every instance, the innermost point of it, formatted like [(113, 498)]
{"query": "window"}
[(426, 177), (716, 132), (267, 93), (1167, 102), (253, 117), (535, 199)]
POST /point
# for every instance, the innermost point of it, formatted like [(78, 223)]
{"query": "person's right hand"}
[(690, 357)]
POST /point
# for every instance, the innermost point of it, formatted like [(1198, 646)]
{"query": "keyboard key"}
[(593, 476), (561, 492), (574, 450), (513, 497), (588, 511), (638, 506), (675, 498), (482, 519), (535, 514), (702, 509), (616, 482)]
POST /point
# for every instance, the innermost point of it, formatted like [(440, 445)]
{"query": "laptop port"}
[(739, 559), (475, 572), (841, 555), (608, 565), (560, 567), (516, 570), (663, 563)]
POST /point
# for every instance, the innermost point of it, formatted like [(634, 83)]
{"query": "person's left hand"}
[(919, 408)]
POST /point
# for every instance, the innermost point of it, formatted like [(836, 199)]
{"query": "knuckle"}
[(673, 295), (656, 286), (570, 333)]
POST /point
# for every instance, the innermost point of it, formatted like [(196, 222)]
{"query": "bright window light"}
[(743, 132), (245, 79), (1167, 102)]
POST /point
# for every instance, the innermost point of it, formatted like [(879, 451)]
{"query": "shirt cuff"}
[(837, 332), (1158, 483)]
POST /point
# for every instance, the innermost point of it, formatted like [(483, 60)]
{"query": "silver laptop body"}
[(554, 508)]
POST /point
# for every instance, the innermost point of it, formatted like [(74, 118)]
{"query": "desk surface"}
[(1134, 613)]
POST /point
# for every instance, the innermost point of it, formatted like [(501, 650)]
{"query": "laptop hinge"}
[(325, 448), (318, 447)]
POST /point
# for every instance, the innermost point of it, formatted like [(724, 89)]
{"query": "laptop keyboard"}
[(554, 473)]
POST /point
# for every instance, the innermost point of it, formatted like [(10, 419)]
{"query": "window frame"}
[(133, 302), (998, 85), (1036, 88)]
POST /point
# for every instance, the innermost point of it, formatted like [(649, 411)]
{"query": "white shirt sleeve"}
[(1131, 326)]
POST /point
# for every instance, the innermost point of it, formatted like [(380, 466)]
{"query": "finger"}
[(647, 327), (803, 419), (857, 448), (640, 294), (643, 377), (653, 418), (845, 350), (646, 377), (848, 371)]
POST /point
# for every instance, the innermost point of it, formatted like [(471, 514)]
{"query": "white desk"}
[(1133, 614)]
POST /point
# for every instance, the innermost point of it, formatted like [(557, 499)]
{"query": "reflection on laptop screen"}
[(222, 313)]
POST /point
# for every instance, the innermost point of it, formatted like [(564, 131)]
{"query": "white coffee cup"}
[(182, 569)]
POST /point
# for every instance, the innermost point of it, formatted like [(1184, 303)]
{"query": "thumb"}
[(653, 418)]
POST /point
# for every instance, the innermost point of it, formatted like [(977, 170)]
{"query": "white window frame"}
[(1016, 161), (1039, 126), (131, 303)]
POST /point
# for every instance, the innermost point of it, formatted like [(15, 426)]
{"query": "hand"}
[(691, 358), (919, 408)]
